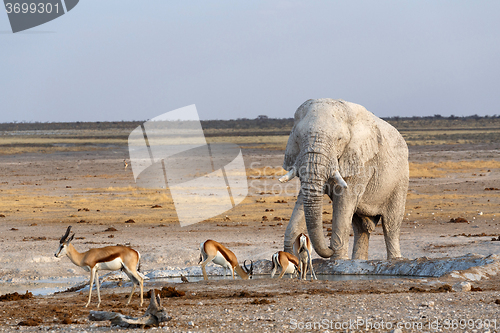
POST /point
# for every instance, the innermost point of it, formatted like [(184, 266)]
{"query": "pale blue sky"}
[(133, 60)]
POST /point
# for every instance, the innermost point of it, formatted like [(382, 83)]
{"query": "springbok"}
[(302, 248), (111, 258), (288, 263), (211, 250)]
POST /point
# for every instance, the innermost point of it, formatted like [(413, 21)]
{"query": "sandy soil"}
[(92, 191)]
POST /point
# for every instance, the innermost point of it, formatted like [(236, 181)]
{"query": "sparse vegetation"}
[(267, 133)]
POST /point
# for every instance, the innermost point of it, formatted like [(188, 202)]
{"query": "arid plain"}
[(52, 178)]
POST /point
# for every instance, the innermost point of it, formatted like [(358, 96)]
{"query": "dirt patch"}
[(261, 301), (474, 235), (458, 220), (25, 239), (441, 289), (15, 296), (245, 294), (30, 322), (166, 292), (235, 244)]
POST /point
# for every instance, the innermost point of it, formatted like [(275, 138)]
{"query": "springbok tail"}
[(303, 243), (274, 260)]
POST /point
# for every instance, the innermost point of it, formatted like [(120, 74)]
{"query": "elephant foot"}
[(340, 254), (340, 257), (397, 258)]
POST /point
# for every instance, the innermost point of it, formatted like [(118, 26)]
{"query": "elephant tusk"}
[(339, 180), (289, 176)]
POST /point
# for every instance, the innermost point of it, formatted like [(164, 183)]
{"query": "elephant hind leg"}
[(391, 223), (362, 226)]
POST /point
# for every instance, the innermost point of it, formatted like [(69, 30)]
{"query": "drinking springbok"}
[(211, 250), (288, 263)]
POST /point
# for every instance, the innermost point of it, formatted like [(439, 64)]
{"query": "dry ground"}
[(41, 194)]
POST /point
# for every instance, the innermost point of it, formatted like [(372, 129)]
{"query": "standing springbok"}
[(211, 250), (288, 263), (302, 248), (111, 258)]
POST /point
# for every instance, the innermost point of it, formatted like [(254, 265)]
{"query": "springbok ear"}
[(71, 238), (362, 147)]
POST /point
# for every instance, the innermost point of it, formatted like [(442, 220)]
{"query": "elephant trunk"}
[(313, 175)]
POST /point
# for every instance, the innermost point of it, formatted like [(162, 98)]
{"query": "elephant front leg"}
[(296, 226), (343, 210)]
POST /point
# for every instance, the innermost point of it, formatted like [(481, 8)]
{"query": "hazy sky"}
[(133, 60)]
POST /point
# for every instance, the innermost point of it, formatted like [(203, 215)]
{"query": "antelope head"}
[(63, 243), (248, 270)]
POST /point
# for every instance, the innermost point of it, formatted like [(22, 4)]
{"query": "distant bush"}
[(262, 123)]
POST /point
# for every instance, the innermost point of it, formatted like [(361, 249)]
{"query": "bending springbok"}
[(110, 258), (288, 263), (221, 255), (302, 248)]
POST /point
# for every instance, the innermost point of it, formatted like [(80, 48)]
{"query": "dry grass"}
[(18, 142), (443, 136), (46, 150), (110, 204), (265, 171), (436, 170), (271, 142)]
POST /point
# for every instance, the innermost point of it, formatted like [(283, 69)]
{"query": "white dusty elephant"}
[(361, 162)]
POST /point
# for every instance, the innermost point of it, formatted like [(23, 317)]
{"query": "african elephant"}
[(361, 162)]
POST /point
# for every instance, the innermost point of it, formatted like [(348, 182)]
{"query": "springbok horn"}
[(65, 235), (339, 180), (289, 176), (245, 266)]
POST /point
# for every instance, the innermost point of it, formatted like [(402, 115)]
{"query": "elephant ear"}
[(292, 146), (292, 151), (362, 147)]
